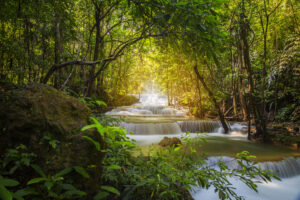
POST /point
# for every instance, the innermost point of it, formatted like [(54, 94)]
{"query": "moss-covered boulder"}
[(170, 142), (48, 122)]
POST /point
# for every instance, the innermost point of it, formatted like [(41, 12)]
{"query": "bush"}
[(167, 173), (285, 113)]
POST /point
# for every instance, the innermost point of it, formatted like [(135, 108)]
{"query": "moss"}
[(169, 142), (28, 114)]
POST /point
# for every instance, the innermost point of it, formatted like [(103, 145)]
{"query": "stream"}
[(152, 119)]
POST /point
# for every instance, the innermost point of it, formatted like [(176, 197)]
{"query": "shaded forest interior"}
[(229, 60)]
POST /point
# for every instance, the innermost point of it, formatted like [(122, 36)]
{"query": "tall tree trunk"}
[(27, 41), (57, 50), (256, 109), (233, 82), (241, 85), (91, 78), (212, 98)]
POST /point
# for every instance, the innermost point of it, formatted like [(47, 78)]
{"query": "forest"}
[(149, 99)]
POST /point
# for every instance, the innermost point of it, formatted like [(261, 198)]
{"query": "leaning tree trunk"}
[(213, 99)]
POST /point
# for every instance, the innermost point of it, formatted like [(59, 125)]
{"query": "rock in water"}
[(170, 142), (38, 114)]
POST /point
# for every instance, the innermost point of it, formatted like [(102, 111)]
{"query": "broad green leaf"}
[(97, 144), (101, 195), (8, 182), (36, 180), (101, 103), (66, 186), (38, 170), (25, 191), (63, 172), (177, 148), (82, 171), (88, 127), (99, 127), (17, 197), (48, 185), (114, 167), (5, 194), (110, 189)]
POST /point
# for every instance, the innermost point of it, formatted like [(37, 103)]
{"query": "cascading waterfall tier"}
[(286, 168), (146, 110), (155, 106), (192, 126), (151, 128), (199, 126)]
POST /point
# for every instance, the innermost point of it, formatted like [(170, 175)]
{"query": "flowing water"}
[(152, 119)]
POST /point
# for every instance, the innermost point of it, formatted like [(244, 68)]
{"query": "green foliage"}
[(92, 103), (58, 186), (5, 194), (55, 186), (51, 142), (167, 173), (16, 159), (285, 113)]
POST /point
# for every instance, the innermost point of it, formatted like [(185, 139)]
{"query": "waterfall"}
[(286, 168), (154, 109), (146, 110), (288, 188), (151, 128), (130, 111), (152, 119), (200, 126)]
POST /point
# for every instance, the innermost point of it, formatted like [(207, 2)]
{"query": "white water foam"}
[(286, 189)]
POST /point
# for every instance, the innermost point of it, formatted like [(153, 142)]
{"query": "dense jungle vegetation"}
[(232, 60)]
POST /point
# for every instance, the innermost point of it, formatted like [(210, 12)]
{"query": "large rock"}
[(170, 142), (38, 114)]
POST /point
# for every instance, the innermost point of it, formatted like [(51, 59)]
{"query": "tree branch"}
[(104, 62)]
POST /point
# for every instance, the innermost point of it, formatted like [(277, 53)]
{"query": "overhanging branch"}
[(91, 63)]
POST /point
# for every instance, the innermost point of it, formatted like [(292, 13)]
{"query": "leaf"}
[(17, 197), (25, 191), (101, 103), (88, 127), (110, 189), (101, 195), (8, 182), (97, 144), (177, 148), (48, 185), (114, 167), (53, 143), (67, 186), (72, 193), (38, 170), (63, 172), (5, 194), (36, 180), (82, 171)]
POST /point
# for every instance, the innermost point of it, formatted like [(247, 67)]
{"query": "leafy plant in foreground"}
[(166, 173), (55, 186)]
